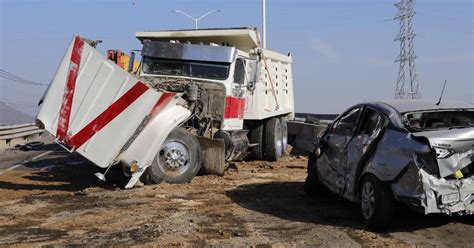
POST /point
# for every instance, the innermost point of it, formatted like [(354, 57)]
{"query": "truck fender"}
[(148, 142)]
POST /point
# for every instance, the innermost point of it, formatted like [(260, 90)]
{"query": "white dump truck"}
[(199, 98)]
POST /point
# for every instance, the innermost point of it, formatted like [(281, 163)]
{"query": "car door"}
[(369, 129), (332, 162)]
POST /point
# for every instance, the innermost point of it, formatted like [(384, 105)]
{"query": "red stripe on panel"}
[(66, 106), (234, 107), (165, 98), (107, 116)]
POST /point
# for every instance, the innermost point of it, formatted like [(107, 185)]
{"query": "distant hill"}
[(12, 116)]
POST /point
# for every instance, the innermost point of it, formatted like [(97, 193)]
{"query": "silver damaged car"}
[(416, 152)]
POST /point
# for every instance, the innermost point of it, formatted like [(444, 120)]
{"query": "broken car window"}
[(347, 123), (432, 120), (371, 123)]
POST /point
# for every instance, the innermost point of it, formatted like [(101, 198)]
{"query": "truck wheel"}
[(256, 137), (178, 160), (284, 135), (273, 140), (376, 202), (312, 182)]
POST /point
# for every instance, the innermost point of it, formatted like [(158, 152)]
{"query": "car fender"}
[(395, 152), (148, 142)]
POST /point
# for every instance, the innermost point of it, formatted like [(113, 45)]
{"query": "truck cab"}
[(257, 82)]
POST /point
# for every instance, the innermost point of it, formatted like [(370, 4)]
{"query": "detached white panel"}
[(99, 84)]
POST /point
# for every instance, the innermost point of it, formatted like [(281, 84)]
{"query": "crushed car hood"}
[(459, 143)]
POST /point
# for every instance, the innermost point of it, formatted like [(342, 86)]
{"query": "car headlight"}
[(443, 152)]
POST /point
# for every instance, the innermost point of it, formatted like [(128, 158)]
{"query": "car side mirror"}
[(318, 146)]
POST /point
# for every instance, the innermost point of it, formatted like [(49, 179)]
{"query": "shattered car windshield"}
[(434, 120), (198, 69)]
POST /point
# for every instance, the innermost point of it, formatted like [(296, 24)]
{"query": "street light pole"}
[(196, 19), (264, 24)]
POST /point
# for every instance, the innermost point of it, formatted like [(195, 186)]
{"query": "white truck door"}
[(235, 102), (94, 107)]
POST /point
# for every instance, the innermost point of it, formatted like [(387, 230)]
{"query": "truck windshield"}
[(198, 69), (433, 120)]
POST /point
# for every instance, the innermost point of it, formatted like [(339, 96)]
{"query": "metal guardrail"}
[(323, 118), (7, 133), (303, 131)]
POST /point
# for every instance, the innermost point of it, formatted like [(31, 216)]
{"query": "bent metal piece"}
[(213, 151)]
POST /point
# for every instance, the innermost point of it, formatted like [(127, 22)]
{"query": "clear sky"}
[(343, 50)]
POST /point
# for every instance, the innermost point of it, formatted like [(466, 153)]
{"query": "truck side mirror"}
[(255, 67), (251, 85)]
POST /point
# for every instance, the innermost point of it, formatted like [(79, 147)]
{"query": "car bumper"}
[(447, 196)]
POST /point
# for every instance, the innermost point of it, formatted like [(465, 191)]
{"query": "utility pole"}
[(406, 58), (264, 24), (196, 19)]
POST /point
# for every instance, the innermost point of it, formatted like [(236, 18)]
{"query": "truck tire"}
[(256, 137), (273, 140), (178, 161), (312, 184), (284, 135), (376, 202)]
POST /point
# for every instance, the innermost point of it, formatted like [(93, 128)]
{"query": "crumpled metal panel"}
[(459, 141), (417, 186), (409, 187), (106, 104), (394, 153), (435, 189)]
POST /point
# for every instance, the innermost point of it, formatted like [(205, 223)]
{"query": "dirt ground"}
[(56, 200)]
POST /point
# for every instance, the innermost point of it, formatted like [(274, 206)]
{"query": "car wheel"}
[(273, 140), (177, 161), (376, 202), (312, 182)]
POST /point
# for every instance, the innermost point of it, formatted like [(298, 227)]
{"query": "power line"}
[(18, 104), (12, 77), (406, 59), (6, 75)]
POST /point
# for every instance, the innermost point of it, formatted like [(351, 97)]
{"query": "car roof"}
[(411, 105)]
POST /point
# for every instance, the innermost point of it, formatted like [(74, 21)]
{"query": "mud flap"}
[(213, 159)]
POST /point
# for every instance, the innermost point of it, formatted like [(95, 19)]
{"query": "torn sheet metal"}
[(447, 196), (455, 148), (435, 195)]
